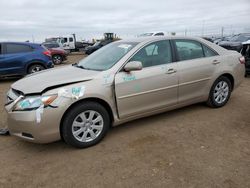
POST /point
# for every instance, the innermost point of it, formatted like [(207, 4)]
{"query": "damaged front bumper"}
[(25, 124)]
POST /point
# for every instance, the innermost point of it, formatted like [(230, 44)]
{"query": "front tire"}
[(220, 92), (35, 68), (85, 125)]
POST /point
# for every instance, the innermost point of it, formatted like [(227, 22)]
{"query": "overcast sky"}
[(23, 19)]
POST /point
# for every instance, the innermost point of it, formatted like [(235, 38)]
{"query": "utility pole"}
[(202, 32), (222, 32), (33, 39)]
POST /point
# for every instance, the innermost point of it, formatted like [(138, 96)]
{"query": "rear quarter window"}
[(209, 52), (17, 48)]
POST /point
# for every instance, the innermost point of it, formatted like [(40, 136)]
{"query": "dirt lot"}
[(195, 146)]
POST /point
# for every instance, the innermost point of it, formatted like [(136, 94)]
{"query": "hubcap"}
[(36, 69), (221, 92), (57, 59), (87, 126)]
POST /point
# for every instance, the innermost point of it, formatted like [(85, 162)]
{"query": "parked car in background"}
[(220, 39), (122, 81), (246, 53), (58, 55), (208, 39), (153, 33), (19, 58), (235, 43), (108, 38), (90, 49), (54, 45)]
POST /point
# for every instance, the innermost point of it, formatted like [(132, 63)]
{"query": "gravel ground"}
[(195, 146)]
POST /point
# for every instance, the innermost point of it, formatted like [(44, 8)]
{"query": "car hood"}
[(52, 78), (229, 43)]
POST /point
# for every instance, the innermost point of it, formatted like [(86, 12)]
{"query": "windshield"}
[(146, 34), (240, 38), (106, 57)]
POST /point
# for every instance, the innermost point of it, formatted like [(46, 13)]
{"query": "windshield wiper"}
[(79, 66), (82, 67)]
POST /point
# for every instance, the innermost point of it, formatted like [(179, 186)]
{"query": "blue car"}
[(20, 58)]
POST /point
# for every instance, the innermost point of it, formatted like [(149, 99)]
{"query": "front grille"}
[(12, 95)]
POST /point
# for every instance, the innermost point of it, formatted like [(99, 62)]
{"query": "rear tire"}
[(57, 59), (85, 125), (220, 92), (35, 68)]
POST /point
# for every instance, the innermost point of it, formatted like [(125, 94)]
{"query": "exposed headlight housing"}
[(34, 102)]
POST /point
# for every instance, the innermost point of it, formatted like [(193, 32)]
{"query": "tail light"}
[(47, 53), (242, 60)]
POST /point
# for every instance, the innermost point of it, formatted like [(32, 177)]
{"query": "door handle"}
[(171, 71), (215, 62)]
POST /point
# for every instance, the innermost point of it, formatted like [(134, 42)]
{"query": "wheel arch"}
[(92, 99), (230, 77)]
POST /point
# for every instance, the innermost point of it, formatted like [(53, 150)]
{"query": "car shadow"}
[(129, 126), (10, 79)]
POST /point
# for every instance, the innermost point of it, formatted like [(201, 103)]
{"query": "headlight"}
[(34, 102)]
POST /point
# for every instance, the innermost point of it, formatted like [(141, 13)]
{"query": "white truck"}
[(69, 43)]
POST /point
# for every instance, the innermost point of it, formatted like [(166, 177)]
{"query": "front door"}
[(152, 88)]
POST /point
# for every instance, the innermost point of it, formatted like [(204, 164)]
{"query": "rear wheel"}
[(220, 92), (85, 125), (35, 68), (57, 59)]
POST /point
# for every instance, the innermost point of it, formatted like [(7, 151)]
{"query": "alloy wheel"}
[(87, 126), (221, 92)]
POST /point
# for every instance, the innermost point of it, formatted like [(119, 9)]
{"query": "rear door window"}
[(70, 39), (17, 48), (188, 49)]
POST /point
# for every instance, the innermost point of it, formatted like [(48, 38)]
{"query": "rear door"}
[(196, 66), (152, 88), (14, 57)]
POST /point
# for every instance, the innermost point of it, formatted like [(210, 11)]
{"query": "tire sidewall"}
[(73, 113)]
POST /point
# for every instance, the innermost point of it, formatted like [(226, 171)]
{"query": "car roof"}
[(24, 43), (153, 38), (144, 40)]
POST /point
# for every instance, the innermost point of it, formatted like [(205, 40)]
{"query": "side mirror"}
[(133, 66)]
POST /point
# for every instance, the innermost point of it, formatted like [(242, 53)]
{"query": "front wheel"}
[(85, 125), (220, 92), (35, 68)]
